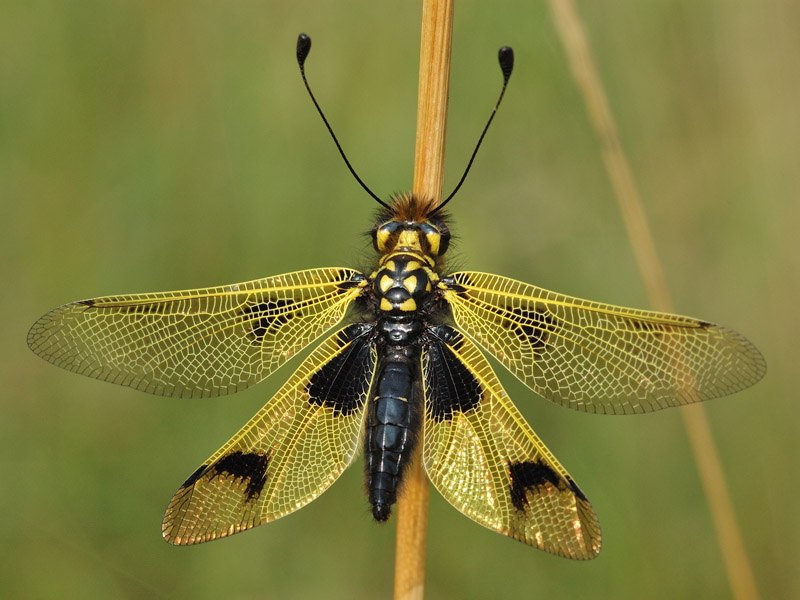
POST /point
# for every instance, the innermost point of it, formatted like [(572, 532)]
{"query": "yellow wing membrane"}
[(488, 463), (195, 343), (288, 454), (596, 357)]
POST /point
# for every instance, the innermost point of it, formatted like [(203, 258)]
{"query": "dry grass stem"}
[(573, 37), (434, 82)]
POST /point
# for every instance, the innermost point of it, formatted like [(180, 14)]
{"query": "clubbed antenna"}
[(506, 58), (303, 48)]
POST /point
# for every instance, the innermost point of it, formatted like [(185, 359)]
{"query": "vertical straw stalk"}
[(434, 84)]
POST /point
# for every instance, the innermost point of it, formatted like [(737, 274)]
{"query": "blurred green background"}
[(147, 146)]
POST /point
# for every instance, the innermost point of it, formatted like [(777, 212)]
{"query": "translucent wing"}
[(486, 460), (596, 357), (289, 453), (195, 343)]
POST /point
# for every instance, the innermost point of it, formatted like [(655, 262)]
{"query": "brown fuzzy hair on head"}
[(410, 207)]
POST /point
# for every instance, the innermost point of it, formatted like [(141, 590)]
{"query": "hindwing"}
[(195, 343), (596, 357), (486, 460), (289, 453)]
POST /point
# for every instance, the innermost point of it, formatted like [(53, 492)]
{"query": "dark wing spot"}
[(268, 315), (451, 386), (122, 306), (194, 477), (576, 490), (535, 326), (341, 382), (240, 465), (530, 476), (656, 329)]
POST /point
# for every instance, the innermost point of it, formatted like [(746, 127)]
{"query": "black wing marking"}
[(487, 462), (289, 453)]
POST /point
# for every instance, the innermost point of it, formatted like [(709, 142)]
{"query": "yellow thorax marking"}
[(386, 283), (433, 276), (408, 305), (410, 283), (387, 261)]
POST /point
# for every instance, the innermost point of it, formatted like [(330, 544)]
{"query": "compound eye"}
[(382, 235), (444, 242), (438, 238)]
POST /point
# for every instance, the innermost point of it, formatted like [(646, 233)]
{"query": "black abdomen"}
[(390, 429)]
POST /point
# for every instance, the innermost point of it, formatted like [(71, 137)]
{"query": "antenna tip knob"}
[(303, 48), (506, 57)]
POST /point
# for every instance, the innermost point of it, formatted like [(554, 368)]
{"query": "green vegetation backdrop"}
[(162, 145)]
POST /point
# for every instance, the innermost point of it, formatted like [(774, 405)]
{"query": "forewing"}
[(289, 453), (486, 460), (600, 358), (195, 343)]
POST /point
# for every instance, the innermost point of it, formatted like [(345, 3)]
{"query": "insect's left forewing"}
[(486, 460), (289, 453), (597, 357)]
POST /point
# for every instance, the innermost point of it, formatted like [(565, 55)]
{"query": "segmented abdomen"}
[(390, 434)]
